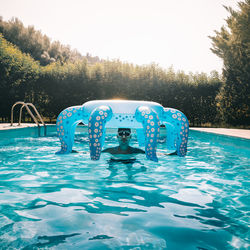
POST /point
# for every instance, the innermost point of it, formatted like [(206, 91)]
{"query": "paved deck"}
[(6, 126), (242, 133)]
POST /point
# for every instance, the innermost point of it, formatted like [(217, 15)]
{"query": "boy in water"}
[(123, 150)]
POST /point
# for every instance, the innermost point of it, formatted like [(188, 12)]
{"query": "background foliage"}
[(232, 44), (53, 77)]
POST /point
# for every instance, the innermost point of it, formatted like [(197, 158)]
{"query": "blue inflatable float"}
[(145, 117)]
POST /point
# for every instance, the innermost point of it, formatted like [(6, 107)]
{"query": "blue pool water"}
[(50, 201)]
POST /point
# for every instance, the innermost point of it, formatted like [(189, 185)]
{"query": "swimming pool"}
[(68, 201)]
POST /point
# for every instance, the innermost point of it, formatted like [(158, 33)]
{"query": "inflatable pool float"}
[(146, 117)]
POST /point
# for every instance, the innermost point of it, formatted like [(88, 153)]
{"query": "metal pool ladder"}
[(26, 105)]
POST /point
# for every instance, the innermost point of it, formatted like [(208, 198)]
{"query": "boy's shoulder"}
[(110, 150), (137, 151)]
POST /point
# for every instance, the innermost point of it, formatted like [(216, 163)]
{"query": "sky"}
[(170, 33)]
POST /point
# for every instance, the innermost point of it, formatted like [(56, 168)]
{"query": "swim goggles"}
[(122, 133)]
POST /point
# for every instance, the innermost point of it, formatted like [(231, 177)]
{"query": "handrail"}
[(26, 105), (34, 108)]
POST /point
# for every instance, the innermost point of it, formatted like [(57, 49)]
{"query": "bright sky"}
[(166, 32)]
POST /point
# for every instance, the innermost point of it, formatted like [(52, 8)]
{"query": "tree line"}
[(56, 86), (71, 79)]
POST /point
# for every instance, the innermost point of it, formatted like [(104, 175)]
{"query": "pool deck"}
[(6, 126), (242, 133)]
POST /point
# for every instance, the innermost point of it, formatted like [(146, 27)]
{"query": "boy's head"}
[(124, 135)]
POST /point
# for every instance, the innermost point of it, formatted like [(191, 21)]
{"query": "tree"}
[(39, 46), (18, 75), (232, 44)]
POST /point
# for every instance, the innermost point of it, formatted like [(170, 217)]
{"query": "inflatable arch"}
[(145, 117)]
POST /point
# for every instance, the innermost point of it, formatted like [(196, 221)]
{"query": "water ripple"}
[(64, 201)]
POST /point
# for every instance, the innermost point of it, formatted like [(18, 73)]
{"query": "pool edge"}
[(239, 133)]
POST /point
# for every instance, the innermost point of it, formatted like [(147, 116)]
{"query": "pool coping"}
[(241, 133), (7, 126)]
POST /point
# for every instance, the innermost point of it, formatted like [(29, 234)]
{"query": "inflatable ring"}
[(145, 117)]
